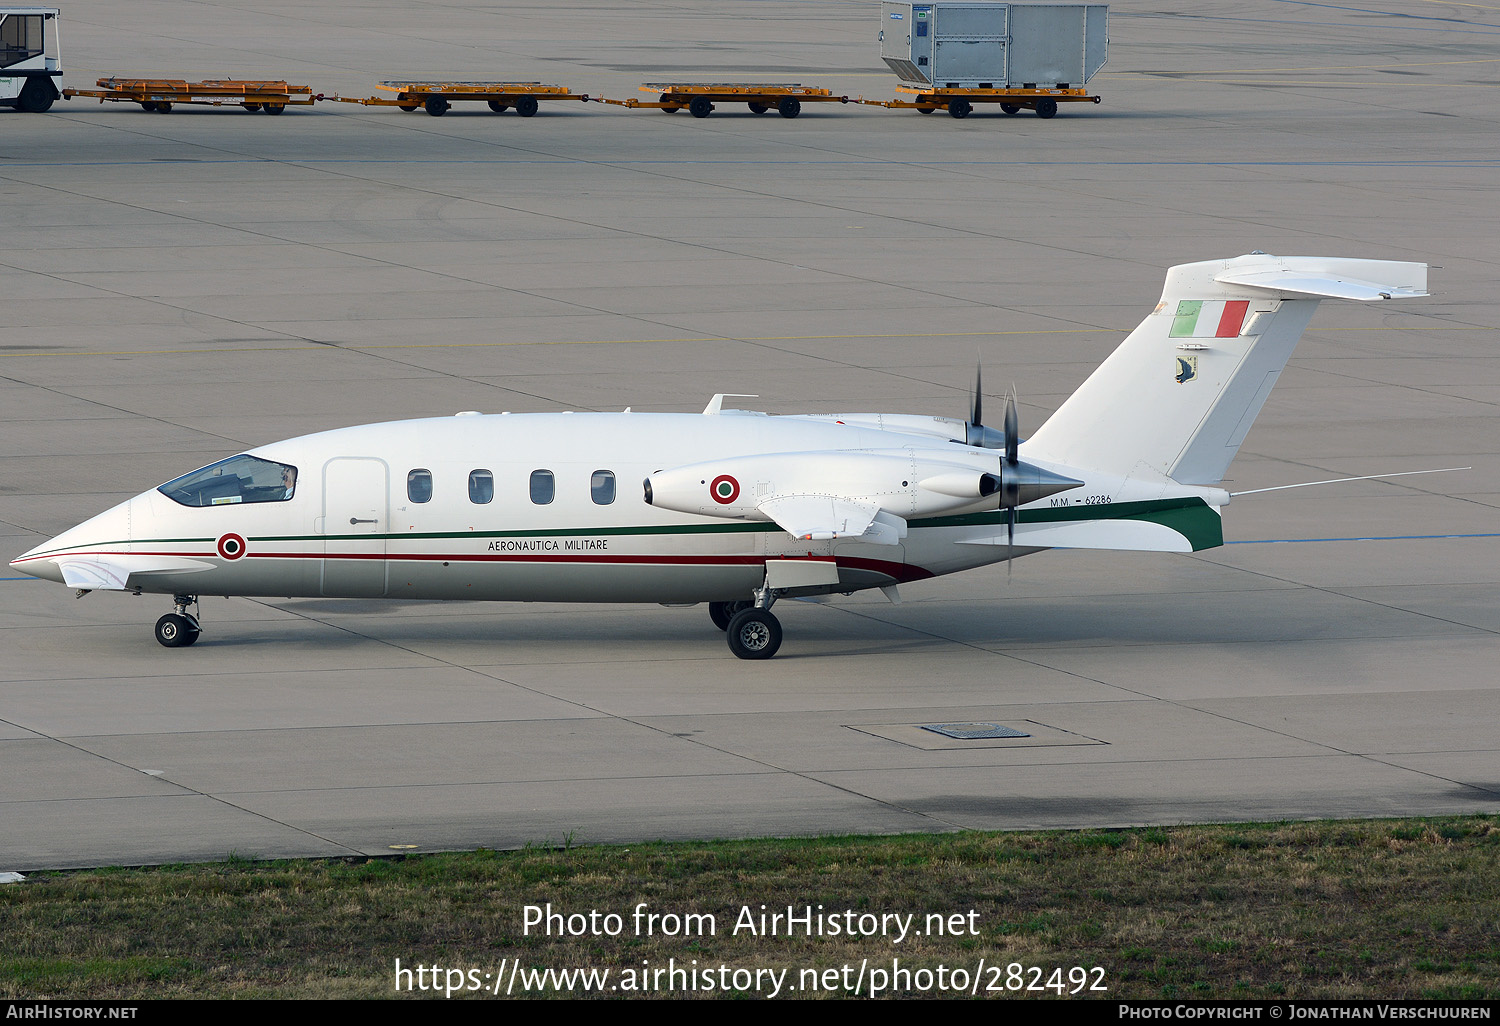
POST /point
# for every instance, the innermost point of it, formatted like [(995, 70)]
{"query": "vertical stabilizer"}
[(1178, 396)]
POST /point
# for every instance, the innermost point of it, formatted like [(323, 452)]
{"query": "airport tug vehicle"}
[(730, 507)]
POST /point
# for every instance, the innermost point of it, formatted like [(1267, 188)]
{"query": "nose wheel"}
[(179, 629)]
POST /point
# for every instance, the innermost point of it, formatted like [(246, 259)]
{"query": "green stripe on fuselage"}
[(1190, 517)]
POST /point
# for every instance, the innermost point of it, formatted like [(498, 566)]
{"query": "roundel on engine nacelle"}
[(724, 489)]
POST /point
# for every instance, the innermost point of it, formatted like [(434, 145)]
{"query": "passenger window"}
[(419, 486), (481, 486), (542, 487), (602, 486)]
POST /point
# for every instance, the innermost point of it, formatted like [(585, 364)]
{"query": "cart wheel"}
[(163, 107), (1046, 108), (498, 107), (36, 96), (251, 107), (436, 106), (700, 107), (960, 108), (274, 108), (1010, 108), (925, 110), (758, 108), (408, 107), (148, 106), (788, 107), (670, 99), (526, 106)]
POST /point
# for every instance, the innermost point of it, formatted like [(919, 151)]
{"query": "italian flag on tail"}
[(1208, 318)]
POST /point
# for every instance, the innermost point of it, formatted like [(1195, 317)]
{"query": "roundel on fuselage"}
[(231, 546)]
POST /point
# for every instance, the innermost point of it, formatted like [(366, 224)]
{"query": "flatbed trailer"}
[(437, 97), (786, 98), (960, 102), (160, 94)]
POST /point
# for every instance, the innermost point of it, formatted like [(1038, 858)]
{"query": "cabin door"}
[(356, 520)]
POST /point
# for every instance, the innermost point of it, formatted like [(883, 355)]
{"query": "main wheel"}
[(758, 108), (960, 108), (526, 106), (722, 612), (274, 108), (436, 106), (36, 96), (700, 107), (176, 630), (789, 107), (1010, 108), (754, 634), (1046, 108)]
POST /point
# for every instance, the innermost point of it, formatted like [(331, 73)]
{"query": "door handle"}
[(356, 520)]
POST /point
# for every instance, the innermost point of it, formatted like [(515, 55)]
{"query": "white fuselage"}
[(350, 527)]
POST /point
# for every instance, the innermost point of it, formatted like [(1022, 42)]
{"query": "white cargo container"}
[(30, 57), (994, 45)]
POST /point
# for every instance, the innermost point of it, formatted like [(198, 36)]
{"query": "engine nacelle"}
[(905, 483)]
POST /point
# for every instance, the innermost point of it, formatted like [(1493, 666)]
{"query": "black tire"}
[(498, 107), (754, 634), (925, 110), (758, 108), (36, 96), (274, 108), (960, 108), (251, 107), (1046, 109), (1010, 108), (700, 107), (669, 110), (436, 106), (408, 107), (789, 107), (526, 106), (722, 612), (162, 107), (177, 631), (148, 106)]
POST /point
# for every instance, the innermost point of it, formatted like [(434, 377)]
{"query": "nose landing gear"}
[(179, 629)]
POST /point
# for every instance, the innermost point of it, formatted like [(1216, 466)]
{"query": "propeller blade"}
[(978, 396), (1012, 429)]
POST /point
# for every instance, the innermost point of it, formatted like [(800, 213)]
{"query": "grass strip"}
[(1386, 908)]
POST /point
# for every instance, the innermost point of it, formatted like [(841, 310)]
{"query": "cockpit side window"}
[(419, 486), (235, 480)]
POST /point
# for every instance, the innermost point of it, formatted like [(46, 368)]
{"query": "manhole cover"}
[(973, 731)]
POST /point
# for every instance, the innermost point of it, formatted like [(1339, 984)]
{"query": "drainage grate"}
[(973, 731)]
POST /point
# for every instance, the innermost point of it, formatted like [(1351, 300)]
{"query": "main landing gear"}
[(179, 629), (751, 629)]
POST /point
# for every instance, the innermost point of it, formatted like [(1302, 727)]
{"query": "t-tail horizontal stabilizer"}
[(1178, 396)]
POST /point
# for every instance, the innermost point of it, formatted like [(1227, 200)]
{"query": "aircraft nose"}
[(28, 562)]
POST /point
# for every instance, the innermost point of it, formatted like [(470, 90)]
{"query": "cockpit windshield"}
[(237, 479)]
